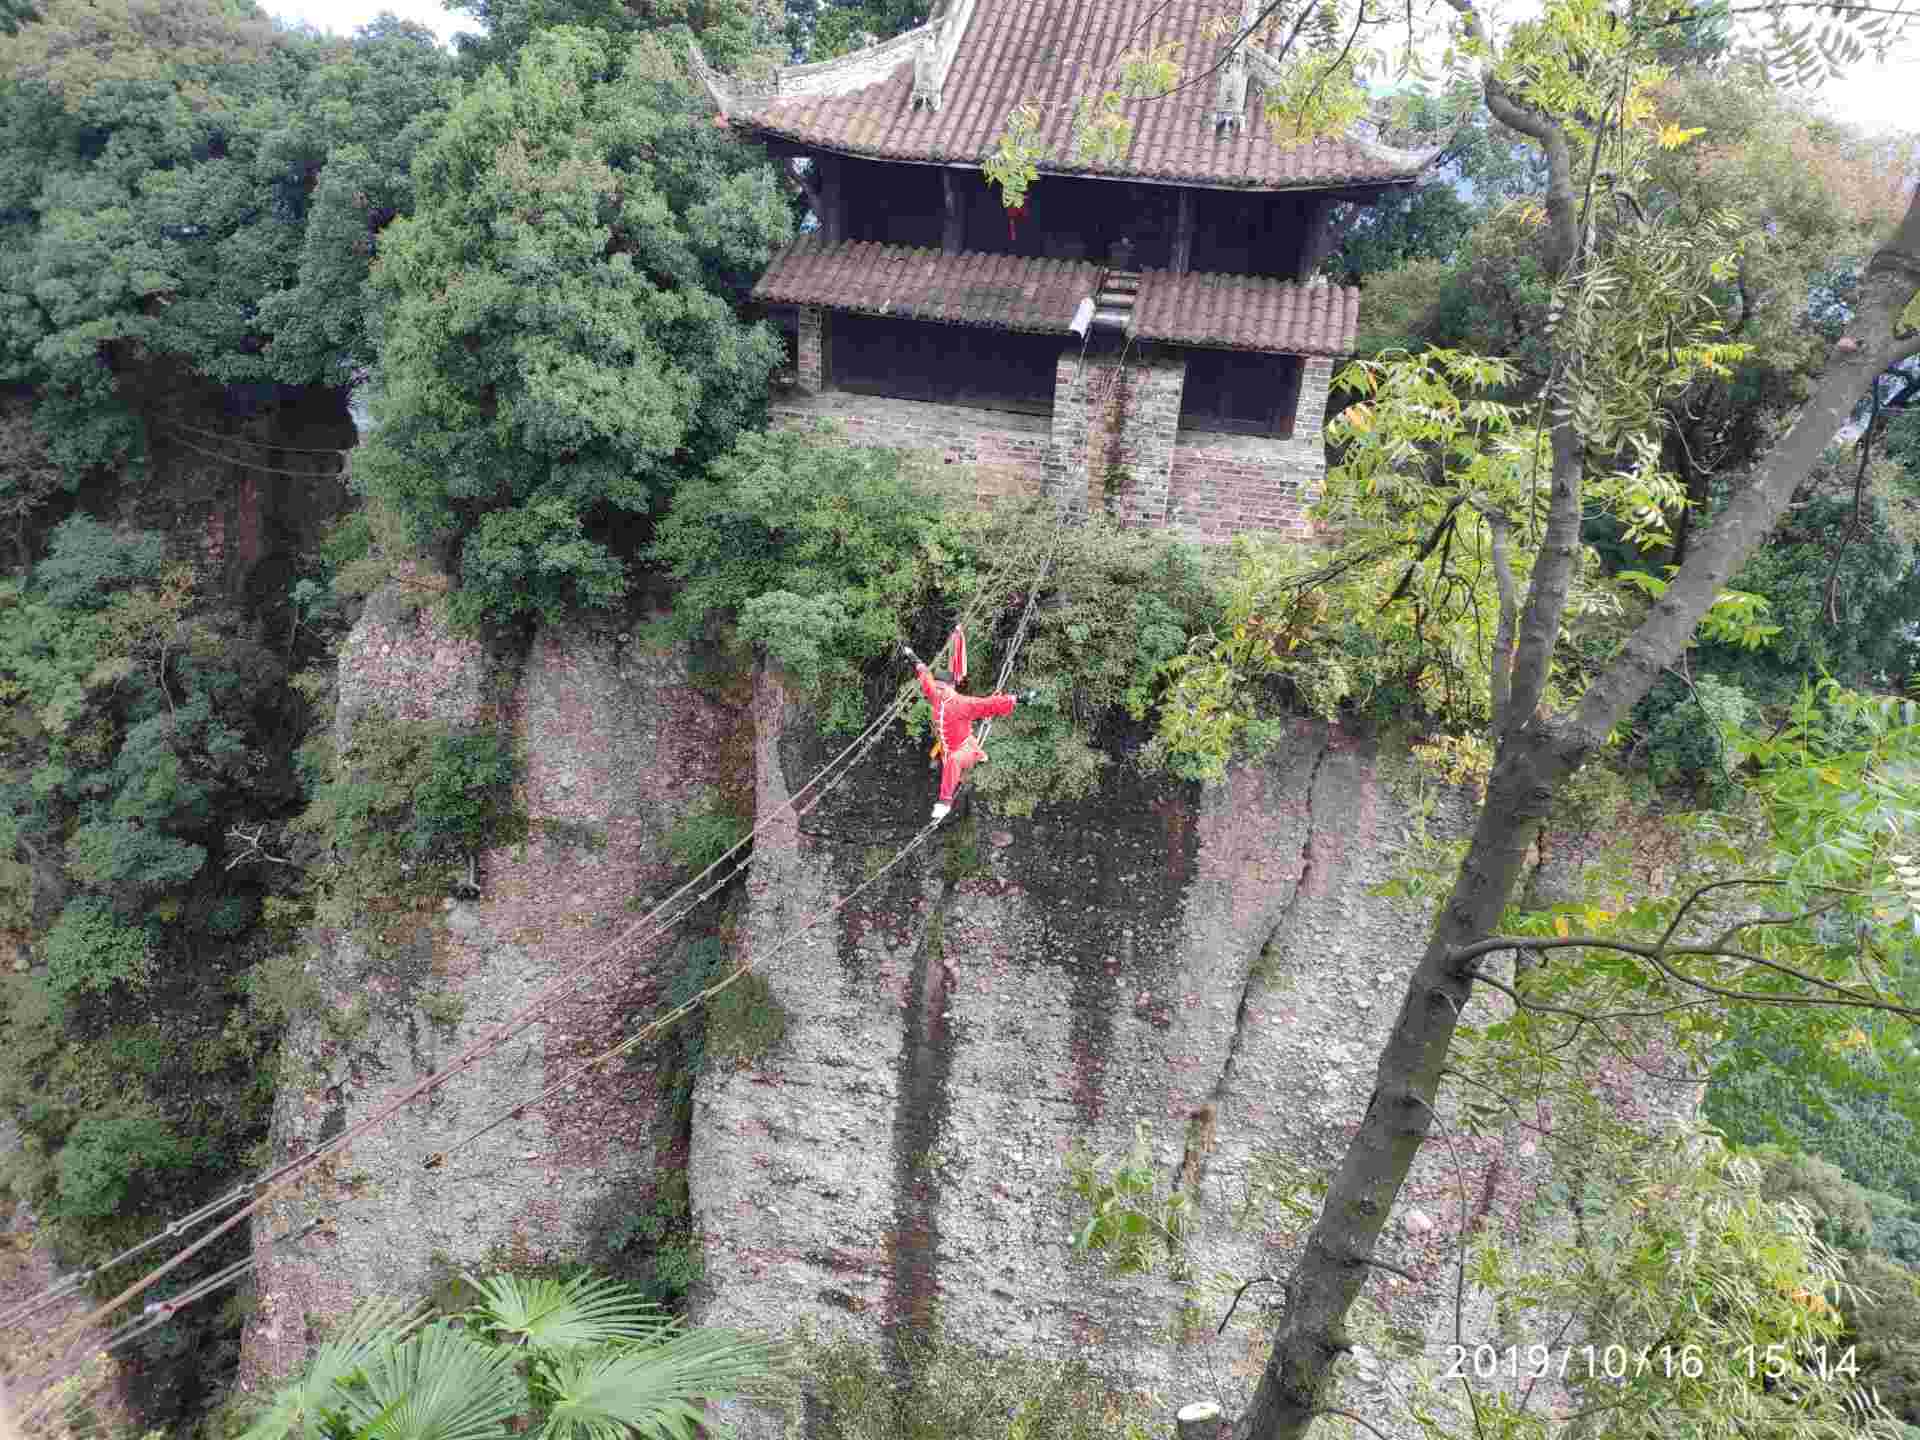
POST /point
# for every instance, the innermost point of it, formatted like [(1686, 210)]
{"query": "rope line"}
[(681, 1011), (263, 469), (267, 1186), (687, 1007), (249, 440), (67, 1284)]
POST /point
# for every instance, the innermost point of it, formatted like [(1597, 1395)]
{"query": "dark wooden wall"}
[(942, 364), (1242, 393)]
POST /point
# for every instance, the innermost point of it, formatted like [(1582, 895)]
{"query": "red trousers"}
[(954, 765)]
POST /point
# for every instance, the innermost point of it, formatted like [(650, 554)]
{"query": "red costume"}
[(953, 717)]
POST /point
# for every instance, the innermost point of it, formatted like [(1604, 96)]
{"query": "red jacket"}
[(954, 713)]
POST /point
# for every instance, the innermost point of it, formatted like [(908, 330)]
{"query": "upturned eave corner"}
[(933, 58), (710, 81)]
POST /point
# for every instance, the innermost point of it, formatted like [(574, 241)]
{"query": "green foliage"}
[(824, 554), (1128, 1215), (106, 1155), (1400, 306), (535, 558), (1677, 1248), (675, 1260), (406, 791), (817, 549), (1119, 607), (745, 1022), (1859, 631), (1484, 166), (1883, 1322), (87, 562), (1842, 1213), (733, 34), (172, 198), (1769, 1089), (558, 341), (703, 836), (1695, 734), (462, 798), (582, 1359), (823, 29), (951, 1390), (88, 950)]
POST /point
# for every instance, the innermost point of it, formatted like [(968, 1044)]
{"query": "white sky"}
[(1873, 96)]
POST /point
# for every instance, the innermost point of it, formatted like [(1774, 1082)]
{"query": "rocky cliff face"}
[(1211, 963), (617, 744)]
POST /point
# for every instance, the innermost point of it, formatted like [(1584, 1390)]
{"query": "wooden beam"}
[(953, 221), (833, 198), (1183, 234), (803, 181), (1316, 235)]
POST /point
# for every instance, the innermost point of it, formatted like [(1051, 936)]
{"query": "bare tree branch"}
[(1501, 687)]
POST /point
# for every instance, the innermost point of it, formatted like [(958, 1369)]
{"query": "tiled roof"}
[(1053, 52), (1006, 292), (1009, 292), (1247, 312)]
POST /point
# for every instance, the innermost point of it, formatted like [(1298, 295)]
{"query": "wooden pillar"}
[(1316, 234), (833, 198), (1183, 234), (953, 219)]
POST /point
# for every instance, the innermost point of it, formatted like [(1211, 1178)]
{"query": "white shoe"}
[(940, 812)]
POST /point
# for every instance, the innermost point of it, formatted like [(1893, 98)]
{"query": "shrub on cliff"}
[(825, 555), (820, 552)]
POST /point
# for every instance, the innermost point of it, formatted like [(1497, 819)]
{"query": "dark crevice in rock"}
[(920, 1117), (1107, 880), (1280, 937)]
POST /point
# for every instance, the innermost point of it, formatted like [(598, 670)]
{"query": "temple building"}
[(1146, 336)]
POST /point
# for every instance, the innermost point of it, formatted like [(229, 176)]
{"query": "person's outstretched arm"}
[(988, 707), (923, 675)]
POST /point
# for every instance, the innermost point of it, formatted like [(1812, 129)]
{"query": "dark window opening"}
[(1247, 234), (1245, 394), (944, 364), (892, 204)]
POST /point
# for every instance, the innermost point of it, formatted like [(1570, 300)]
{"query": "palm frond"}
[(437, 1384), (561, 1315), (608, 1393), (301, 1406)]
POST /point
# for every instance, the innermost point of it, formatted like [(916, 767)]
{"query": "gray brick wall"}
[(988, 455), (812, 351), (1113, 443)]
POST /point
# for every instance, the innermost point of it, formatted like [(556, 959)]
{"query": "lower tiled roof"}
[(1006, 292), (1011, 292), (1247, 312)]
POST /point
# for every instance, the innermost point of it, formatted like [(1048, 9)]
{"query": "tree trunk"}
[(1534, 757)]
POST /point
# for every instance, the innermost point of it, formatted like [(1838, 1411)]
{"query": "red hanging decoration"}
[(1015, 212)]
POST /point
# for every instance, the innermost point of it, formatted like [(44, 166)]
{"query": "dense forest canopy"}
[(534, 257)]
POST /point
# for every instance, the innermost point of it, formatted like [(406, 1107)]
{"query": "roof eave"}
[(754, 125)]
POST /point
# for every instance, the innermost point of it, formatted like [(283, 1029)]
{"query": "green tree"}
[(1631, 324), (577, 1359), (822, 29), (105, 1156), (559, 340), (733, 33), (169, 198), (1483, 167), (89, 950)]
